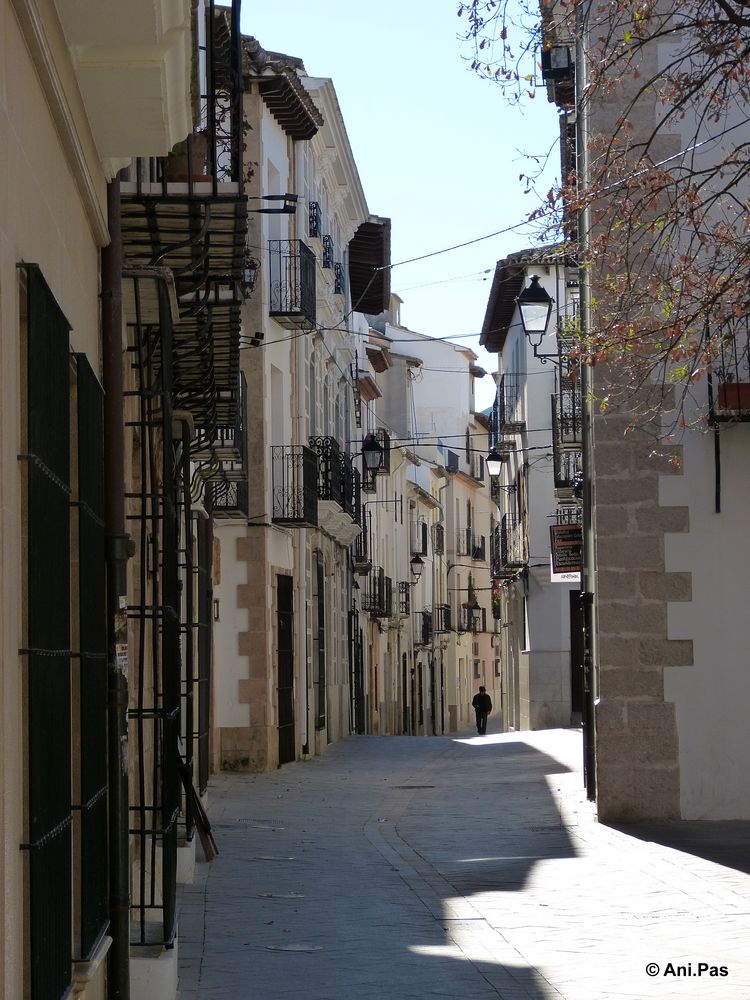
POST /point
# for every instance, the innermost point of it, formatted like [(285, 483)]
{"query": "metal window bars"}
[(291, 270), (294, 485)]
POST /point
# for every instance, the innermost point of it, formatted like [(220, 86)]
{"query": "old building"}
[(536, 434)]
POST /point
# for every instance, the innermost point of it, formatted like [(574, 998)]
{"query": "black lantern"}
[(535, 306), (249, 275), (372, 453), (417, 566), (494, 462)]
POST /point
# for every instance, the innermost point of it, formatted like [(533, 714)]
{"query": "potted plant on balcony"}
[(184, 164)]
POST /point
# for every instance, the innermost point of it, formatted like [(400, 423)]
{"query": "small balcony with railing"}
[(471, 619), (294, 486), (404, 598), (511, 557), (438, 539), (422, 628), (361, 561), (314, 221), (338, 491), (377, 599), (442, 618), (463, 542), (186, 214), (729, 380), (478, 548), (223, 454), (291, 276), (230, 499), (508, 416)]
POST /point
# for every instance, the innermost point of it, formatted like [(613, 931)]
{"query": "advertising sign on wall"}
[(566, 542)]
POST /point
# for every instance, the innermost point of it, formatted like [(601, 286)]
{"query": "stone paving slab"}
[(397, 867)]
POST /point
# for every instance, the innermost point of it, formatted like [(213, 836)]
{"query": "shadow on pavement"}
[(724, 842)]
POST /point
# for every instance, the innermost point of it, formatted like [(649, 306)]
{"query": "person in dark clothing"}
[(482, 705)]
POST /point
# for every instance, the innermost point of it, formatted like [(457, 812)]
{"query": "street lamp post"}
[(587, 455), (535, 306)]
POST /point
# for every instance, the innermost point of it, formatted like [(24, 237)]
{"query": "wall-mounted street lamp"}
[(249, 275), (494, 462), (476, 614), (535, 305), (416, 566), (372, 453)]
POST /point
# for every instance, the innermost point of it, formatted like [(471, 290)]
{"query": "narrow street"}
[(468, 867)]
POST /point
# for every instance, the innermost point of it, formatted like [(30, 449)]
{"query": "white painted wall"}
[(712, 695)]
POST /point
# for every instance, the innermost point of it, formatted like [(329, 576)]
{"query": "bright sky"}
[(438, 149)]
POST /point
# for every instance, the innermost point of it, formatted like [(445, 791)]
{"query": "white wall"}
[(712, 695)]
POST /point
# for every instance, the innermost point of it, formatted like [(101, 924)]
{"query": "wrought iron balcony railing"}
[(422, 628), (351, 488), (231, 498), (378, 596), (566, 404), (468, 623), (478, 548), (508, 415), (463, 542), (438, 539), (512, 544), (330, 469), (294, 471), (338, 282), (729, 382), (328, 252), (315, 221), (188, 212), (224, 456), (404, 598), (291, 269), (442, 618), (384, 440)]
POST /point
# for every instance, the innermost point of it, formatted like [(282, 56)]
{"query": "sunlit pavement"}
[(469, 867)]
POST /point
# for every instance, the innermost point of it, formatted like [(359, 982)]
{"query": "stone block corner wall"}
[(638, 773)]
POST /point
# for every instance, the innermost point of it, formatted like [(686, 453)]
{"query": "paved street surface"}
[(398, 868)]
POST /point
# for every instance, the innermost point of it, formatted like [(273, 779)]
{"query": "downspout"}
[(118, 550)]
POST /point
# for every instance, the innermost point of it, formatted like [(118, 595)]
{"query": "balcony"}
[(478, 548), (361, 563), (567, 410), (422, 628), (512, 555), (351, 488), (291, 269), (438, 539), (476, 467), (338, 491), (378, 596), (467, 622), (314, 221), (442, 618), (338, 280), (508, 415), (404, 598), (185, 215), (418, 533), (224, 456), (230, 499), (729, 383), (294, 472), (328, 253), (463, 542)]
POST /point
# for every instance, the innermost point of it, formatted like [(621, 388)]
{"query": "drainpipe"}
[(118, 550), (588, 575)]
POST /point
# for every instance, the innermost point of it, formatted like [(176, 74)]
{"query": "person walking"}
[(482, 705)]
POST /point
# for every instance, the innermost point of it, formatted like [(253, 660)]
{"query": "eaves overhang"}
[(277, 77), (507, 283), (369, 266)]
